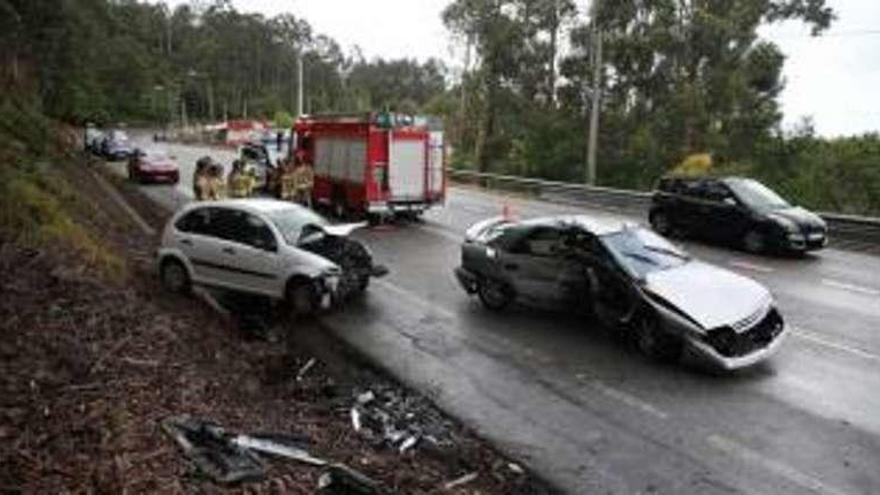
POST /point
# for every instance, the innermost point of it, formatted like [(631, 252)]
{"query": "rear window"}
[(195, 222), (665, 185), (156, 156)]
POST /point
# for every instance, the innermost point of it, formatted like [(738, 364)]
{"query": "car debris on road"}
[(343, 480), (229, 458), (384, 416), (212, 452)]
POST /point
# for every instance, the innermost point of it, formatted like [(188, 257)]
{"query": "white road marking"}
[(620, 395), (427, 305), (850, 287), (812, 337), (629, 399), (757, 459), (115, 196), (745, 265)]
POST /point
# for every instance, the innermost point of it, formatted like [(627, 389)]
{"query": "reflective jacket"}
[(241, 185)]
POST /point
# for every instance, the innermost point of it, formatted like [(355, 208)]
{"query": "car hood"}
[(709, 295), (343, 230), (160, 166), (800, 216)]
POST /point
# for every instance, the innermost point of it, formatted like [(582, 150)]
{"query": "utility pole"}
[(299, 86), (595, 100), (463, 96)]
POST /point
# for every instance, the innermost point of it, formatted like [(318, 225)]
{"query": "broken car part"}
[(208, 447)]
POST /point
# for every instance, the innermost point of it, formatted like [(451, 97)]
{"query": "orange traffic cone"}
[(505, 211)]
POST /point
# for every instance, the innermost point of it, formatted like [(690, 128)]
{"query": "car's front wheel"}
[(655, 343), (174, 277), (754, 242), (494, 295), (302, 298)]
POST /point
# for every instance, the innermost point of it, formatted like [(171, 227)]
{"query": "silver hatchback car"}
[(264, 247)]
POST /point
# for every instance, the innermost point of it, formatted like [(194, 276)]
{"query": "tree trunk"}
[(486, 135), (554, 47)]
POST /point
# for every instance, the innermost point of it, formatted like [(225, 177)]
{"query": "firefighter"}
[(240, 183), (200, 178), (216, 184), (304, 182), (288, 182), (273, 178)]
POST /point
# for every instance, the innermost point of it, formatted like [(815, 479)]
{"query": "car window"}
[(642, 251), (714, 191), (542, 241), (243, 228), (690, 189), (195, 222), (258, 234), (252, 154), (756, 195), (669, 185), (291, 221)]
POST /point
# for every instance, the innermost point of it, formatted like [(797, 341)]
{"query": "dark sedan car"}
[(153, 166), (737, 211), (115, 146), (630, 279)]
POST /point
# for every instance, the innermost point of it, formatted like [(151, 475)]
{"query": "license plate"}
[(816, 237)]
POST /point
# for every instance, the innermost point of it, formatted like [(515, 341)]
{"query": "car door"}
[(613, 298), (246, 253), (687, 208), (725, 217), (533, 265), (195, 236)]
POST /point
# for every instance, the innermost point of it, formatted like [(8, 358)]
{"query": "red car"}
[(153, 166)]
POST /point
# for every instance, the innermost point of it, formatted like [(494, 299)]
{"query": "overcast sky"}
[(835, 78)]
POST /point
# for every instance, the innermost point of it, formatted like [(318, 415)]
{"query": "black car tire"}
[(754, 242), (493, 294), (654, 343), (660, 223), (174, 277), (302, 298)]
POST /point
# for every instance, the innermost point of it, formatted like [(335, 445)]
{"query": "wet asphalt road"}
[(592, 415)]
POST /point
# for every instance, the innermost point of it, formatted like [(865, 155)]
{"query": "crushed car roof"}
[(598, 226)]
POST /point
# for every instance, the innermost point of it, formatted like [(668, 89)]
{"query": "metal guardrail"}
[(847, 230)]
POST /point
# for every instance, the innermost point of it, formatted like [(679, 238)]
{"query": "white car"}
[(264, 247)]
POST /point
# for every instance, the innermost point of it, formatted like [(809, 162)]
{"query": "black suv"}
[(734, 210)]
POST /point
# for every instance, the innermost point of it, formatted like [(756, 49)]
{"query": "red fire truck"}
[(373, 164)]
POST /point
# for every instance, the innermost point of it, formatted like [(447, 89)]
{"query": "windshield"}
[(756, 195), (156, 156), (118, 136), (291, 221), (642, 251)]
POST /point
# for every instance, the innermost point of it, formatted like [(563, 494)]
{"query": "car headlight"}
[(787, 225)]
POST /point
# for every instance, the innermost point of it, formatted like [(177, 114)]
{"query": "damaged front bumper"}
[(467, 279), (328, 290), (710, 354)]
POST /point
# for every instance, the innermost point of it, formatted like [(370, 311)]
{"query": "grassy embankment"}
[(39, 207)]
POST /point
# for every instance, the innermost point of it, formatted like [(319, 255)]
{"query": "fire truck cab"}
[(374, 164)]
